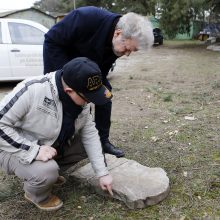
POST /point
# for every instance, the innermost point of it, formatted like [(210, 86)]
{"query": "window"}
[(25, 34)]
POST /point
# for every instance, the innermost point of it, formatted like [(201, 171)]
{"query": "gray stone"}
[(136, 185), (214, 47)]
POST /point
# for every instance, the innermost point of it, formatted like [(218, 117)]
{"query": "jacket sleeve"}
[(92, 145), (13, 109)]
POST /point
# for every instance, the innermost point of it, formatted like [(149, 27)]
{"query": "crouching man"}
[(45, 121)]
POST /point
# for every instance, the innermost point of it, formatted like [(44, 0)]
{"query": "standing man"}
[(44, 124), (103, 37)]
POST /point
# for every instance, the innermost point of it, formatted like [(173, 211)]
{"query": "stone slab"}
[(136, 185)]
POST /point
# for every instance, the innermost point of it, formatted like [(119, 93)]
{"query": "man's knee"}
[(50, 171), (45, 173)]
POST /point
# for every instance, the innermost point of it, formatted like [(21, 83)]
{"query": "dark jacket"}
[(86, 31)]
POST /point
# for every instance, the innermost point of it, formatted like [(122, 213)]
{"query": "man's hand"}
[(46, 153), (106, 183)]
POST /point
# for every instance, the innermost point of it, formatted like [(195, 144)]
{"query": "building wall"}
[(34, 15), (195, 28)]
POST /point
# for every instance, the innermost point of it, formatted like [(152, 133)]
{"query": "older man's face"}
[(123, 46)]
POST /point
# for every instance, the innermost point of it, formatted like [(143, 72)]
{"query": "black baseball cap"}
[(84, 76)]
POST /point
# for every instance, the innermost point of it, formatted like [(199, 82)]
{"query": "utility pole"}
[(74, 4)]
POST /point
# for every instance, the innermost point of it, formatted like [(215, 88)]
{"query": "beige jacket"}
[(31, 116)]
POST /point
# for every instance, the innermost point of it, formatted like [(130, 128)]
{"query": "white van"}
[(21, 49)]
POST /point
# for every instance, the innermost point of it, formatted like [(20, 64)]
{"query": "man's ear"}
[(68, 90), (117, 32)]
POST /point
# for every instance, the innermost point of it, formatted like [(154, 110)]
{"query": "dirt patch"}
[(165, 114)]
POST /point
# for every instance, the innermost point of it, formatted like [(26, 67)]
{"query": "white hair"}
[(136, 27)]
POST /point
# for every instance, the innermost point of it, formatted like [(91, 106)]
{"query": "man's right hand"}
[(106, 183), (46, 153)]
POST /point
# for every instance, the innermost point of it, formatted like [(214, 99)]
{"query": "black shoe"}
[(111, 149)]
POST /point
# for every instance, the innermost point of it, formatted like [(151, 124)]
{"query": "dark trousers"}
[(103, 120)]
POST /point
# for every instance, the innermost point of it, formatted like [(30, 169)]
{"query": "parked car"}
[(158, 36), (21, 49), (210, 30)]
